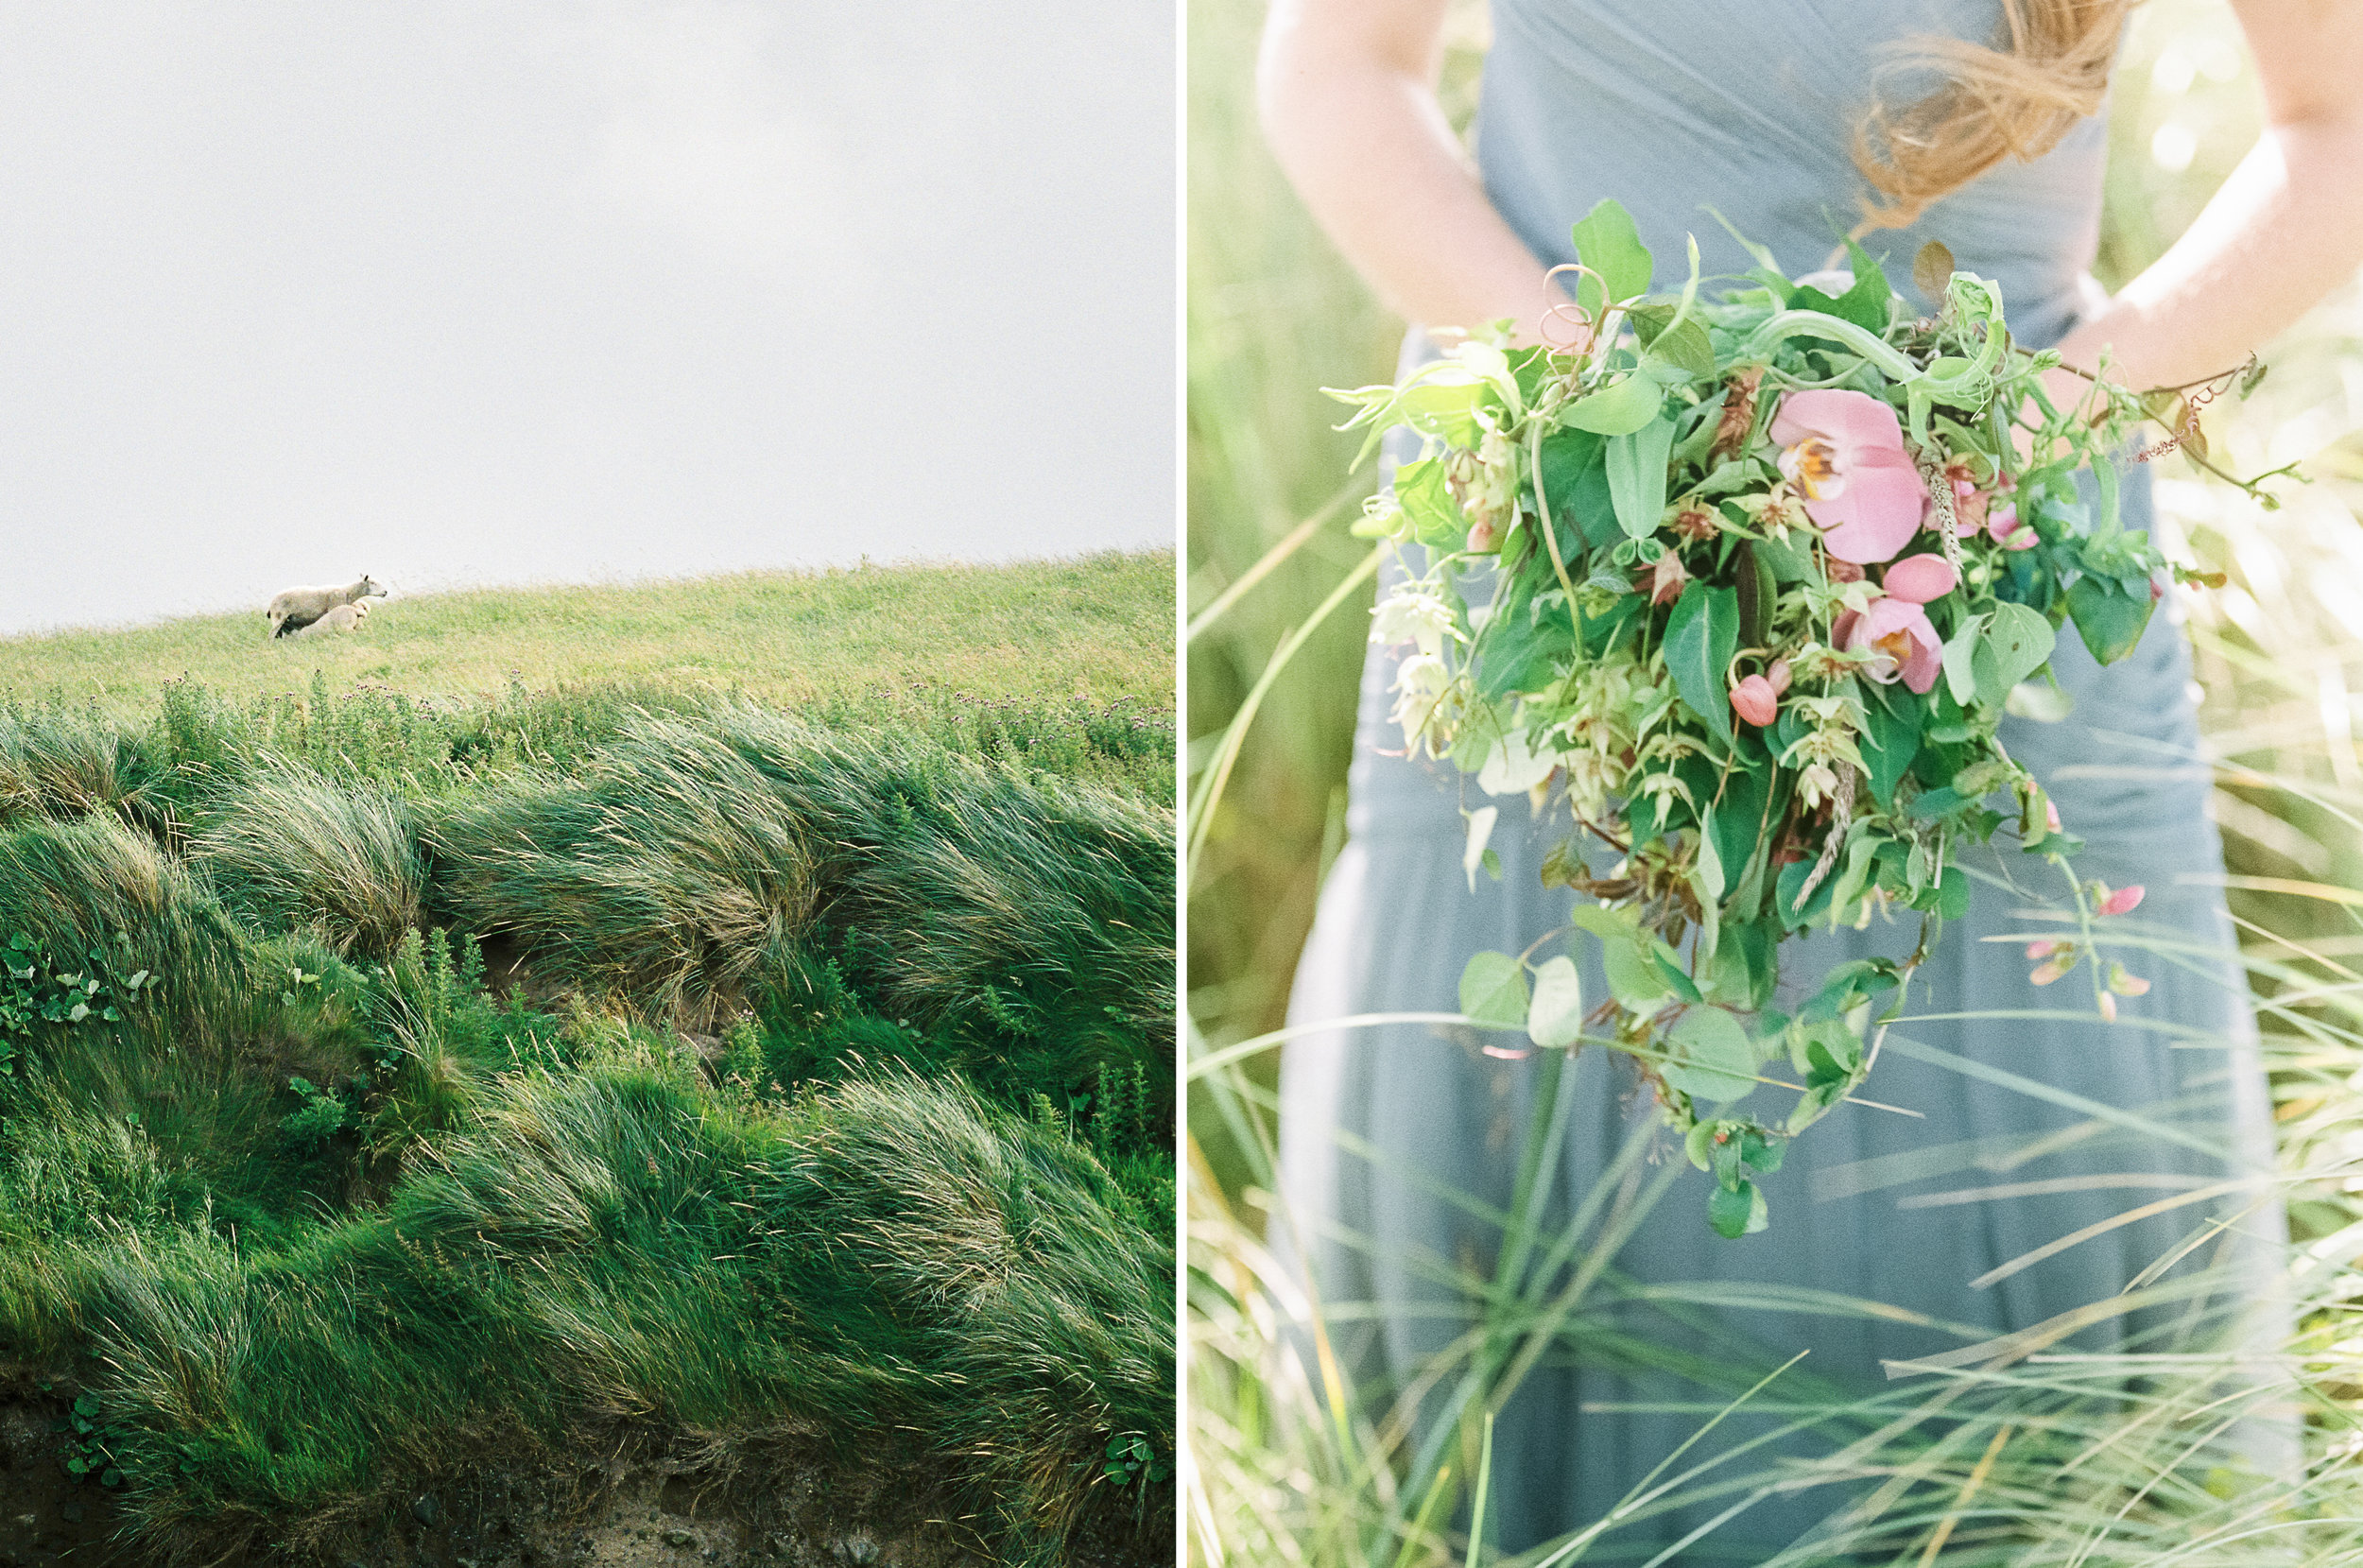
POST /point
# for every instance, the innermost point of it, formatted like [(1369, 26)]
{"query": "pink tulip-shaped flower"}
[(1844, 453), (2122, 902), (1755, 700), (1757, 697)]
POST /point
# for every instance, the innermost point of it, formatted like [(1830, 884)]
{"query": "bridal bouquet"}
[(1770, 570)]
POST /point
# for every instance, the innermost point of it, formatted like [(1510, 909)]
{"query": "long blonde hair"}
[(2015, 100)]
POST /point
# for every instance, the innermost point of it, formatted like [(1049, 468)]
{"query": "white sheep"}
[(296, 607), (340, 618)]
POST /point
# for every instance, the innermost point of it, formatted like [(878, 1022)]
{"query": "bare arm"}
[(1347, 94), (2285, 230)]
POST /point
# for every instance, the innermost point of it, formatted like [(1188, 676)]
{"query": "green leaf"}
[(2017, 646), (1864, 303), (1892, 722), (1556, 1016), (1632, 979), (1617, 408), (2108, 619), (1701, 637), (1761, 1154), (1636, 476), (1574, 481), (1669, 964), (1737, 823), (1523, 647), (1685, 352), (1493, 990), (1960, 658), (1446, 409), (1790, 563), (1715, 1061), (1758, 595), (1607, 242), (1953, 893), (1436, 518), (1737, 1212)]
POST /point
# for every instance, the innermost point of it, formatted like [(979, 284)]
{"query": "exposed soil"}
[(790, 1508)]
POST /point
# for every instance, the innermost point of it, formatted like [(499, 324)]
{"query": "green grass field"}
[(1098, 627), (396, 1083)]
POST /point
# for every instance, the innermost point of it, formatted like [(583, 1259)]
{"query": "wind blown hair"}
[(2013, 100)]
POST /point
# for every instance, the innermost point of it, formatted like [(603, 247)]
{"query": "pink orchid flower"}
[(1896, 630), (1922, 579), (1757, 697), (1844, 453)]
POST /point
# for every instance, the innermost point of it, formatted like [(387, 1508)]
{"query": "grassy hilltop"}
[(1098, 627), (450, 1078)]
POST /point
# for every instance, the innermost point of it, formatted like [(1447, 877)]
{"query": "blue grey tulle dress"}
[(1673, 107)]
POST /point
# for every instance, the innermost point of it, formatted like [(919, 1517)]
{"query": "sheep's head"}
[(367, 586)]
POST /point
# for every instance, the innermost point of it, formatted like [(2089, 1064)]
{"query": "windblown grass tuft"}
[(668, 872), (294, 849)]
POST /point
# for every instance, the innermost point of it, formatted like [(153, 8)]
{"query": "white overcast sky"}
[(490, 291)]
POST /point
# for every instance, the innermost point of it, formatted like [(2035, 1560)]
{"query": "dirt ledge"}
[(791, 1506)]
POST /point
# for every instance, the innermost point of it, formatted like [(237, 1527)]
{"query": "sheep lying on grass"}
[(340, 618), (294, 609)]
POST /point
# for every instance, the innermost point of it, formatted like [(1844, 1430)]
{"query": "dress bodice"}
[(1749, 108)]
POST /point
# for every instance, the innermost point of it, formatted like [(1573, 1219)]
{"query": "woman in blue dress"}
[(1972, 122)]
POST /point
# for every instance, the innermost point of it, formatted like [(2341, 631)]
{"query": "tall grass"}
[(2005, 1457), (609, 1249), (1273, 316), (315, 1215), (294, 849), (96, 890), (689, 855), (70, 766), (669, 871)]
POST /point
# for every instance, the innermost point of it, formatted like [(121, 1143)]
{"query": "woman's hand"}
[(2285, 230), (1347, 94)]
